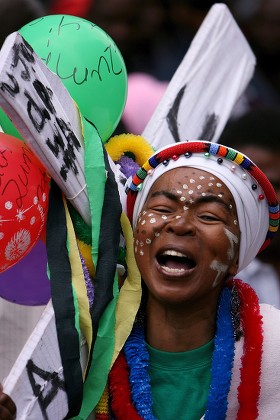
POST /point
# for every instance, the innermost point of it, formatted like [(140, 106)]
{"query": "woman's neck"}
[(176, 330)]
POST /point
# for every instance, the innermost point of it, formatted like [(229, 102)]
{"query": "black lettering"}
[(172, 116), (45, 94), (25, 168), (23, 53), (13, 89), (61, 24), (99, 67), (112, 61), (20, 196), (209, 127), (41, 189), (52, 378), (37, 115), (67, 150), (72, 75)]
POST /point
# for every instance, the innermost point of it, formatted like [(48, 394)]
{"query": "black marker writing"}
[(57, 146), (45, 94), (209, 127), (23, 53), (81, 75), (52, 378), (40, 109), (12, 88), (19, 180), (38, 115), (172, 116)]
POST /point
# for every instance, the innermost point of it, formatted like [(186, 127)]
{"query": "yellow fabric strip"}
[(79, 282), (130, 293)]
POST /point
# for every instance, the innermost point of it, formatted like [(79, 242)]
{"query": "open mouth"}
[(175, 262)]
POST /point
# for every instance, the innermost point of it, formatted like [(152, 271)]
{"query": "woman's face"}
[(186, 240)]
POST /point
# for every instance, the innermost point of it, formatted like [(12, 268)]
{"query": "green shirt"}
[(180, 382)]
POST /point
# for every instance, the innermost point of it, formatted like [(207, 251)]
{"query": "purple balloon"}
[(27, 283)]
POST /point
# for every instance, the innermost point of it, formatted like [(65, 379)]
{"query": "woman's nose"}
[(181, 225)]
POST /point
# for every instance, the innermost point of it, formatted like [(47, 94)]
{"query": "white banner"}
[(202, 93)]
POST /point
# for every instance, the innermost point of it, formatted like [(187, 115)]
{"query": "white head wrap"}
[(253, 212)]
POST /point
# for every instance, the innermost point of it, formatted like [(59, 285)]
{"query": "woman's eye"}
[(162, 210), (209, 217)]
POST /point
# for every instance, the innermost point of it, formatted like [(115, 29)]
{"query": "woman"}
[(201, 344), (200, 213)]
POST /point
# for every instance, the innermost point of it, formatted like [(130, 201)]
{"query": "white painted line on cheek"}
[(233, 239), (220, 268)]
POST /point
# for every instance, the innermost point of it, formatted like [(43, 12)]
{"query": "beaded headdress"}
[(255, 198)]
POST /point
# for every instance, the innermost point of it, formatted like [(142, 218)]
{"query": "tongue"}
[(178, 263)]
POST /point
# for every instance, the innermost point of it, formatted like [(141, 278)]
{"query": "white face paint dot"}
[(141, 252), (143, 222), (211, 178), (153, 220), (185, 186), (186, 208), (235, 222), (137, 242), (141, 243), (190, 191), (203, 194), (32, 220), (178, 217), (219, 185), (2, 235), (164, 217), (192, 181), (157, 234), (182, 198), (44, 197), (151, 214), (199, 187), (201, 177), (179, 192), (210, 184), (230, 206), (8, 205), (220, 195), (135, 249), (191, 201), (35, 200), (148, 241)]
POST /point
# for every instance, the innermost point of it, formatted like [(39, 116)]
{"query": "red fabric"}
[(70, 7), (119, 388), (251, 321)]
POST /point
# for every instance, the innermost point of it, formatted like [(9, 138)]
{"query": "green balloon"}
[(88, 63), (7, 125)]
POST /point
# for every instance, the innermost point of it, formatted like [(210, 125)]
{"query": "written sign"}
[(32, 96), (202, 93)]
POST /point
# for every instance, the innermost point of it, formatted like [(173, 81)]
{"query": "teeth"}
[(173, 270), (174, 253)]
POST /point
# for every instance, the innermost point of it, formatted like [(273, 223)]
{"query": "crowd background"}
[(153, 37)]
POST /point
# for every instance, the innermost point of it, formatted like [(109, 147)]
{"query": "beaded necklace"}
[(129, 382)]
